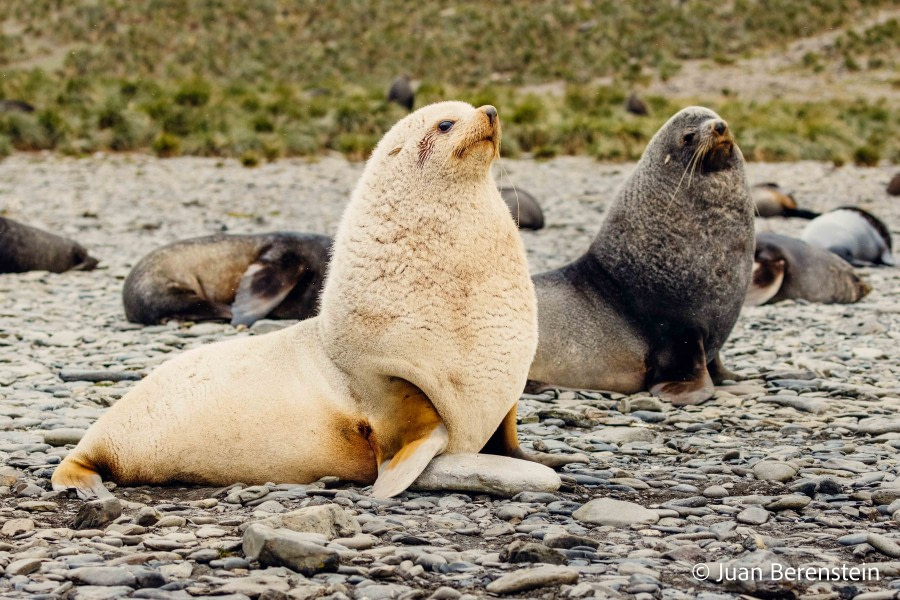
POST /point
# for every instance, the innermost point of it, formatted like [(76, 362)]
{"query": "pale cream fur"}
[(428, 284)]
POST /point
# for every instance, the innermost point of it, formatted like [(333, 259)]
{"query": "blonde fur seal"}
[(426, 331)]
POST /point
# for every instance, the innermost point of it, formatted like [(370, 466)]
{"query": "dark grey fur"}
[(25, 248), (806, 272), (654, 299), (524, 207), (241, 278)]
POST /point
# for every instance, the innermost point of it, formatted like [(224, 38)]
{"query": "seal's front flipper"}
[(265, 284), (680, 374), (505, 442), (408, 443), (719, 373), (76, 474)]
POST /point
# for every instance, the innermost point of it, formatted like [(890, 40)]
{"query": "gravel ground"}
[(794, 467)]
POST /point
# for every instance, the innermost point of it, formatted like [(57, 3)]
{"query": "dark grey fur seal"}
[(852, 233), (526, 211), (774, 201), (636, 106), (401, 92), (655, 297), (25, 248), (241, 278), (15, 106), (786, 268)]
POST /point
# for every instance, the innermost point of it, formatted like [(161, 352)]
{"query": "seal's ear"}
[(265, 283), (395, 151), (407, 443)]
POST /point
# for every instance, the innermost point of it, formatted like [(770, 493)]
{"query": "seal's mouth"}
[(715, 147), (483, 132)]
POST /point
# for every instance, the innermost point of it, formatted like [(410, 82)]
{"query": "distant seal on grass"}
[(401, 92), (240, 278), (774, 201), (786, 268), (15, 106), (655, 297), (636, 106), (852, 233), (524, 207), (427, 326), (25, 248)]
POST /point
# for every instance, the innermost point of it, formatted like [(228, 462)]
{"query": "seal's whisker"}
[(515, 190)]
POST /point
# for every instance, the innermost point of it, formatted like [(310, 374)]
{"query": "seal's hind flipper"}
[(265, 284), (408, 441), (76, 474), (680, 375), (505, 442)]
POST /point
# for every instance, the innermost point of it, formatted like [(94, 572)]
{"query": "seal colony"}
[(239, 278), (655, 297), (426, 331), (25, 248)]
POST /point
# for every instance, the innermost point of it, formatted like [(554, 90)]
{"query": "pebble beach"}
[(794, 467)]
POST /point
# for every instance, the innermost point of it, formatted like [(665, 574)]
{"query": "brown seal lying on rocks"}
[(241, 278), (786, 268), (25, 248), (774, 201), (655, 297)]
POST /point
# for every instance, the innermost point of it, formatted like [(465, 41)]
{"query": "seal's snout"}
[(720, 126), (490, 112)]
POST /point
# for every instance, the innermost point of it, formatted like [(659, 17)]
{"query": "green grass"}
[(267, 79)]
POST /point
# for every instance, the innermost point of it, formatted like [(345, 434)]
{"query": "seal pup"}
[(241, 278), (427, 327), (401, 92), (524, 207), (25, 248), (774, 201), (786, 268), (852, 233), (656, 295)]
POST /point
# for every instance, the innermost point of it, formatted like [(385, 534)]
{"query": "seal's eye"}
[(445, 126), (688, 138)]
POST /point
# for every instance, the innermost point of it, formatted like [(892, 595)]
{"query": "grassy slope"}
[(271, 78)]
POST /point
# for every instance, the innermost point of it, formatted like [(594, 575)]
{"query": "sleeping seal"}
[(786, 268), (852, 233), (774, 201), (241, 278), (524, 207), (655, 297), (25, 248), (427, 327)]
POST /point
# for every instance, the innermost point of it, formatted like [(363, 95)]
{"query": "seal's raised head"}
[(454, 137), (696, 140)]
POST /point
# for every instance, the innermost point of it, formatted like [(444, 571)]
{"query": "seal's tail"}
[(75, 473), (800, 213)]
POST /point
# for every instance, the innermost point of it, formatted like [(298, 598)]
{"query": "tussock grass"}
[(273, 78)]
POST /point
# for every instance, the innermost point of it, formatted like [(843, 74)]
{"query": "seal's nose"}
[(491, 113), (720, 127)]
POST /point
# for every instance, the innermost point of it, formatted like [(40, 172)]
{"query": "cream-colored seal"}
[(426, 332)]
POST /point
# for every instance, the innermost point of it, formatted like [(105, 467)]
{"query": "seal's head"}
[(769, 266), (698, 141), (454, 138)]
